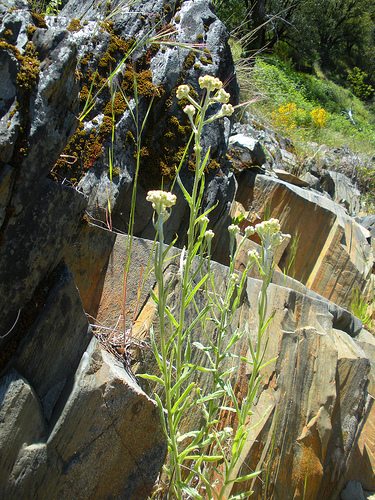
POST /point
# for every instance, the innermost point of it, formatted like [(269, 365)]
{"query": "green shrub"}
[(357, 83)]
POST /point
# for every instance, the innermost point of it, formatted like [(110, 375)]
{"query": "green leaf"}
[(241, 496), (240, 479), (162, 414), (214, 395), (186, 194), (205, 458), (195, 289), (154, 378), (171, 317), (203, 166), (187, 435), (185, 374), (183, 396), (197, 319), (154, 296), (191, 491), (238, 219)]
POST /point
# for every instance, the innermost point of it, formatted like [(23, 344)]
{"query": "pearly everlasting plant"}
[(193, 457)]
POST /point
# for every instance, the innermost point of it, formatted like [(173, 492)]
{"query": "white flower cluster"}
[(222, 96), (227, 110), (210, 83), (268, 227), (270, 232), (209, 234), (189, 110), (249, 230), (233, 229), (161, 200), (253, 255), (182, 91)]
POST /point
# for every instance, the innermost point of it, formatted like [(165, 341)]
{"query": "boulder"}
[(67, 404), (106, 420), (158, 69), (331, 253), (244, 152), (288, 177), (346, 193), (310, 397), (311, 180), (352, 491), (278, 151)]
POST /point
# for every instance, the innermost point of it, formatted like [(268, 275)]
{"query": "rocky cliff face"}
[(68, 399)]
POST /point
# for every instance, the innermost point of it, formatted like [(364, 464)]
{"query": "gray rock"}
[(170, 66), (332, 254), (58, 336), (311, 403), (37, 238), (345, 192), (311, 180), (244, 151), (120, 422), (368, 222), (106, 415), (352, 491), (22, 422)]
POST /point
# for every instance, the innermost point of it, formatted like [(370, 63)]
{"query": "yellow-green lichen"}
[(79, 155), (205, 61), (84, 94), (16, 107), (190, 60), (39, 20), (86, 59), (108, 27), (29, 68), (120, 45), (129, 138), (144, 83), (106, 126), (75, 25), (117, 106), (30, 31), (115, 172), (106, 61)]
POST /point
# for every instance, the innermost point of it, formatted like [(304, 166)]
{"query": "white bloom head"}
[(249, 230), (252, 255), (189, 110), (210, 83), (204, 221), (233, 229), (222, 96), (268, 227), (227, 110), (161, 200), (234, 278), (182, 91), (209, 234)]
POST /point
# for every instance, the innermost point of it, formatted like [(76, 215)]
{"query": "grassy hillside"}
[(288, 101), (309, 109)]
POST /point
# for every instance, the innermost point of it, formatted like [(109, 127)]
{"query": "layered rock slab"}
[(313, 398), (106, 443), (332, 254)]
